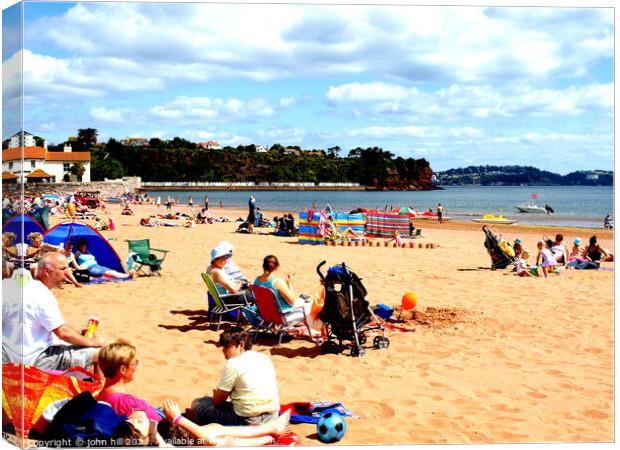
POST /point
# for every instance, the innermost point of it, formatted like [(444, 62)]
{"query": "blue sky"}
[(455, 85)]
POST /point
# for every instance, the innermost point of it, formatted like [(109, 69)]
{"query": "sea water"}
[(574, 206)]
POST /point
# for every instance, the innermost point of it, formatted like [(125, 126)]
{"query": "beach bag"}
[(384, 311), (83, 421), (81, 276)]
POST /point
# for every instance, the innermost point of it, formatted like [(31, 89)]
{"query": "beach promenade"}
[(494, 358)]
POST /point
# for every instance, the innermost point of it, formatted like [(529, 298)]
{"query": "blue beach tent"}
[(98, 245), (14, 225)]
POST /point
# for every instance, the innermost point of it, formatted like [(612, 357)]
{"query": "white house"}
[(260, 149), (27, 138), (40, 164), (210, 145)]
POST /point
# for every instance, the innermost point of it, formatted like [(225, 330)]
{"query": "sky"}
[(457, 85)]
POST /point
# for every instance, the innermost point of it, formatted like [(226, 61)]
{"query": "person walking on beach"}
[(248, 379), (158, 201), (207, 202), (190, 201), (440, 213), (251, 214)]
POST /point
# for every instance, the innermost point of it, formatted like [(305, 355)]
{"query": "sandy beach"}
[(498, 359)]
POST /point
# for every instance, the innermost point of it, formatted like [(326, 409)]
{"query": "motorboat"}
[(498, 220), (531, 207)]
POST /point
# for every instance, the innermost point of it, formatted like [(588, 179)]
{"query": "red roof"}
[(38, 173), (68, 156), (15, 154), (8, 176)]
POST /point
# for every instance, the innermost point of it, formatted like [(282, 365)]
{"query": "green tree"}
[(78, 169), (87, 137)]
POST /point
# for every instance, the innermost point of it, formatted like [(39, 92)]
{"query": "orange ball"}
[(410, 300)]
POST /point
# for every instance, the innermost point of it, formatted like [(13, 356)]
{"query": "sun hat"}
[(577, 241), (227, 246), (517, 241), (218, 252)]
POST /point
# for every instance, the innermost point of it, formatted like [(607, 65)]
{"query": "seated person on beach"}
[(223, 283), (9, 251), (596, 253), (289, 225), (118, 363), (576, 259), (71, 264), (397, 239), (411, 228), (87, 261), (517, 247), (127, 211), (47, 342), (248, 379), (545, 257), (232, 270), (283, 288), (99, 225), (523, 269), (560, 250)]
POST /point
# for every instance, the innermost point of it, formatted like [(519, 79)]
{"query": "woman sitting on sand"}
[(118, 363), (87, 261), (595, 253)]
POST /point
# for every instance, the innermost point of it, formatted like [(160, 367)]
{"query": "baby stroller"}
[(346, 313), (499, 259)]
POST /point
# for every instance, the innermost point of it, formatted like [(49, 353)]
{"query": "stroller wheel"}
[(381, 342), (362, 339), (357, 351)]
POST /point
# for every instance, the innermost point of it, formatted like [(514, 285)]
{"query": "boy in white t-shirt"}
[(248, 379)]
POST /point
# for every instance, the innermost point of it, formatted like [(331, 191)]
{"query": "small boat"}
[(499, 220), (531, 207)]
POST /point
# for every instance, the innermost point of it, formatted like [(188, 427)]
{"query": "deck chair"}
[(143, 257), (418, 233), (224, 303), (272, 318)]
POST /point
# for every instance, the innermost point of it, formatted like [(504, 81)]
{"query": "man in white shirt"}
[(43, 337), (248, 379)]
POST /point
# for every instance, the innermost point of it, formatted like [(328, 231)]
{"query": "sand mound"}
[(438, 318)]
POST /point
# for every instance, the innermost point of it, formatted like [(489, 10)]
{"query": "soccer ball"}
[(331, 427)]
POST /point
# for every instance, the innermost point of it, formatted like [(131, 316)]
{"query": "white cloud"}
[(206, 108), (199, 42), (107, 115), (458, 101)]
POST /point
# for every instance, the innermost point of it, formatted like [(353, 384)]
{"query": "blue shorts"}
[(96, 270)]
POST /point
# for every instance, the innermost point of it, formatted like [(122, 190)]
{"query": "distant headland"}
[(520, 176)]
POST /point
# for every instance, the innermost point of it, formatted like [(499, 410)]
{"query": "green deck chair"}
[(224, 303), (144, 257)]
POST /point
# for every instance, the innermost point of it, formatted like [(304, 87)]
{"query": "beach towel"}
[(311, 412)]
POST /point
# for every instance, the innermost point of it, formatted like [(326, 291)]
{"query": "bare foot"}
[(78, 285), (133, 274), (282, 423)]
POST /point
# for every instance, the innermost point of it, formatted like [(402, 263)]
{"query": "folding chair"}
[(271, 315), (224, 303), (144, 258)]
